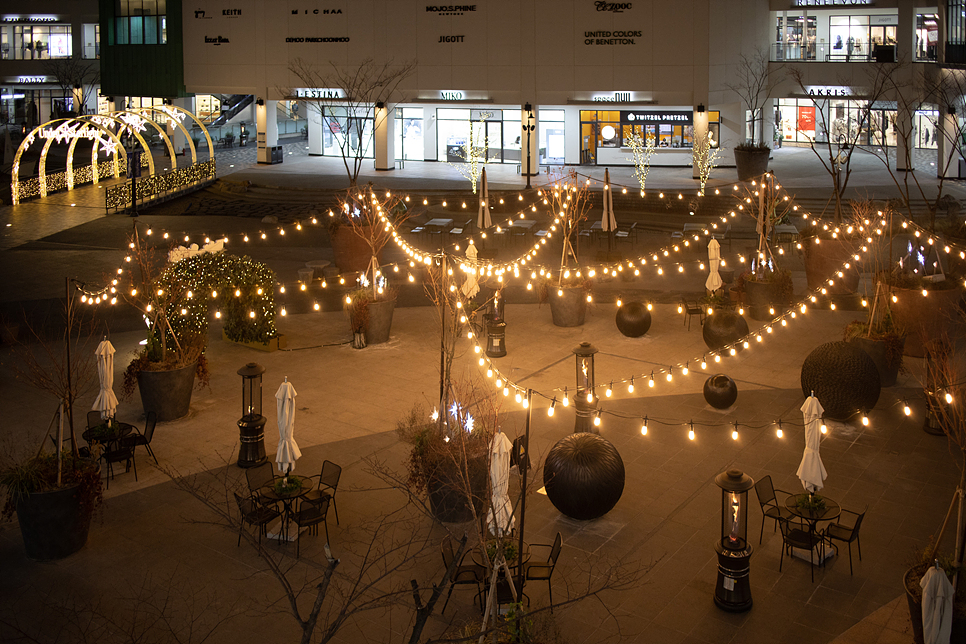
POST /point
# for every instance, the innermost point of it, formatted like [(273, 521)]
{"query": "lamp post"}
[(251, 426), (732, 592), (529, 128), (585, 402)]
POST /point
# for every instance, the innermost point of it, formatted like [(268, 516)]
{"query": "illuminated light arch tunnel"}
[(100, 129)]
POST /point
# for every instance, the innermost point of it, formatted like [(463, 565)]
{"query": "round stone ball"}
[(723, 327), (633, 319), (720, 391), (584, 476), (844, 378)]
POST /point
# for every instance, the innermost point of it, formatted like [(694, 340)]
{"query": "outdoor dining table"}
[(110, 439), (439, 224), (270, 494), (477, 555), (812, 517)]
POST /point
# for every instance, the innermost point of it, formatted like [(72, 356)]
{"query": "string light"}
[(691, 431), (553, 403), (597, 419), (644, 427)]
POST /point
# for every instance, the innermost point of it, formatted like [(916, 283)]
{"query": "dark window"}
[(140, 22)]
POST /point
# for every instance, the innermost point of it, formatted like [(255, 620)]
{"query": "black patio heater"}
[(733, 590), (495, 326), (585, 402), (251, 426)]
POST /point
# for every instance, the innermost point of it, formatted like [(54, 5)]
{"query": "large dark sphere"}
[(633, 319), (844, 378), (584, 476), (723, 327), (720, 391)]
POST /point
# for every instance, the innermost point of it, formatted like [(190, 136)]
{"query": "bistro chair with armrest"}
[(626, 232), (543, 570), (310, 515), (847, 532), (691, 309), (770, 507), (463, 574), (793, 537), (137, 438), (118, 455), (254, 514), (260, 476), (328, 484)]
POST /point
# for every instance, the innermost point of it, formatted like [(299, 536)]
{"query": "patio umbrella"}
[(811, 470), (483, 220), (937, 606), (106, 401), (500, 518), (288, 450), (714, 281), (471, 286), (608, 222)]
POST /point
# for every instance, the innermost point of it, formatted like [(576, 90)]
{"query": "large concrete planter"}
[(879, 352), (449, 500), (927, 318), (54, 524), (167, 393), (568, 307), (380, 321), (825, 259), (352, 253), (751, 164), (761, 298)]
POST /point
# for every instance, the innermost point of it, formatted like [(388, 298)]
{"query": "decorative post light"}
[(585, 402), (251, 426), (529, 128), (733, 590)]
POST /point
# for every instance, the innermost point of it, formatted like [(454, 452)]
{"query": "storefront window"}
[(500, 139), (927, 36), (856, 37), (92, 41), (552, 137), (409, 133), (927, 130), (796, 40), (340, 133), (35, 42), (207, 107)]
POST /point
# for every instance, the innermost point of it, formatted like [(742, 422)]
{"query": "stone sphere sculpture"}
[(722, 328), (584, 476), (720, 391), (844, 379), (633, 319)]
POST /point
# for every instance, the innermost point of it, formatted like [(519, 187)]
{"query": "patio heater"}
[(529, 127), (733, 589), (251, 426), (585, 402), (495, 326)]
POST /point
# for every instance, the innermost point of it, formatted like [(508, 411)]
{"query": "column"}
[(906, 137), (529, 146), (384, 137), (700, 132), (267, 128), (178, 139), (947, 159), (313, 118)]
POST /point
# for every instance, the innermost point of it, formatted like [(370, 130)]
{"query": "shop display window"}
[(796, 40), (927, 36), (339, 133), (409, 133), (35, 42), (553, 136)]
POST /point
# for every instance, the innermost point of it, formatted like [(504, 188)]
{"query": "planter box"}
[(53, 524), (825, 259), (877, 350), (568, 309), (927, 318), (278, 342), (380, 321), (751, 164), (167, 393)]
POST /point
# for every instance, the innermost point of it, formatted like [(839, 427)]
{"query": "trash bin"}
[(277, 154)]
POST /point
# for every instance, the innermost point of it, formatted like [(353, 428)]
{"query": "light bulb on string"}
[(906, 409), (824, 429), (597, 419), (949, 398), (590, 396), (553, 403), (734, 433), (650, 383), (865, 420), (566, 400), (691, 430), (610, 390), (779, 432), (644, 426), (630, 386)]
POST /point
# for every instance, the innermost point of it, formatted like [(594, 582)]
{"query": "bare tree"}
[(347, 115), (846, 133), (474, 152), (75, 78), (754, 80)]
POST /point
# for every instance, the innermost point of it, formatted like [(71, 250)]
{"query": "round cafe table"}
[(812, 517), (287, 499)]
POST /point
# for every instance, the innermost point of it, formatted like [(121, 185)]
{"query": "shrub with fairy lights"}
[(175, 300)]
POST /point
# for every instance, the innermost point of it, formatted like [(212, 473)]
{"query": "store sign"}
[(828, 91), (216, 40), (832, 3), (616, 97), (451, 95), (451, 38), (27, 80), (613, 7), (315, 12), (318, 39), (610, 37), (450, 9), (641, 117), (318, 92), (31, 19)]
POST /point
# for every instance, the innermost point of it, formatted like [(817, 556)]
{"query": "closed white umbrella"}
[(937, 606), (106, 401), (288, 450), (811, 470), (714, 281), (500, 518), (483, 220), (471, 286)]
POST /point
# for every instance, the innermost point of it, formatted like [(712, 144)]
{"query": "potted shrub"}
[(751, 160), (358, 231), (766, 292), (753, 82), (928, 309), (881, 338), (829, 251), (569, 292), (370, 315)]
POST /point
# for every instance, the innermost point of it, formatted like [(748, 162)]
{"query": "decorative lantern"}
[(733, 590), (585, 402), (251, 425)]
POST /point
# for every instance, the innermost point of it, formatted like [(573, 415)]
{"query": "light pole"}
[(529, 128)]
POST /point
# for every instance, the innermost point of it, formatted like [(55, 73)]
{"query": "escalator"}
[(231, 105)]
